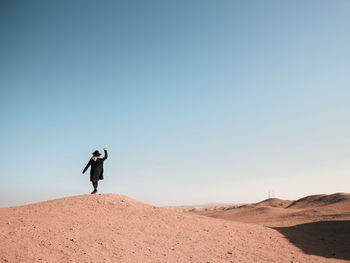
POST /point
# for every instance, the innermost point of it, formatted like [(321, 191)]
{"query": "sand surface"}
[(116, 228)]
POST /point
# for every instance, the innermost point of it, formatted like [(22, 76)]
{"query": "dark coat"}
[(96, 171)]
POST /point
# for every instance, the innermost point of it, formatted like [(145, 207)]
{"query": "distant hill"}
[(278, 212), (274, 202), (322, 200)]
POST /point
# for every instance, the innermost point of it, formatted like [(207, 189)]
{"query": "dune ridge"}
[(321, 200)]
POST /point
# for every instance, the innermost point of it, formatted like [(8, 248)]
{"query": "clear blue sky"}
[(197, 101)]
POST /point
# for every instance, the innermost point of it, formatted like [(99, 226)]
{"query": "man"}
[(96, 171)]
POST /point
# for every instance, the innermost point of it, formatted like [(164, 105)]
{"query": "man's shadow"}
[(329, 239)]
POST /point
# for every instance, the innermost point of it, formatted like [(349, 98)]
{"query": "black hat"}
[(96, 153)]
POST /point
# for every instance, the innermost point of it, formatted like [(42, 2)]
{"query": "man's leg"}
[(94, 184)]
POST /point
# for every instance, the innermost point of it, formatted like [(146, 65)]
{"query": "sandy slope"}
[(116, 228)]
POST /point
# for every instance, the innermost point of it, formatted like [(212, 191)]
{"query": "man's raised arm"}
[(106, 155)]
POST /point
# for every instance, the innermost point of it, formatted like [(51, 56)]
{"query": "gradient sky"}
[(196, 101)]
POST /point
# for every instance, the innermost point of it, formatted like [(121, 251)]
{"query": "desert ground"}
[(317, 224), (117, 228)]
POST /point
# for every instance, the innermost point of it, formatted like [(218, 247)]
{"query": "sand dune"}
[(276, 212), (116, 228), (339, 199), (274, 202)]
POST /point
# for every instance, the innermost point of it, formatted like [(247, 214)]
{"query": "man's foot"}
[(94, 192)]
